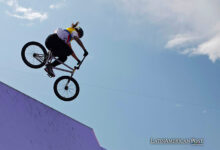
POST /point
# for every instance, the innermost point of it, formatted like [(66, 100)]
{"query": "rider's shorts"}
[(57, 46)]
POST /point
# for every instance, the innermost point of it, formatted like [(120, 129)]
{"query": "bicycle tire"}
[(41, 48), (76, 93)]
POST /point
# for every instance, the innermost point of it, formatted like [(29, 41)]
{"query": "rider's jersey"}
[(67, 34)]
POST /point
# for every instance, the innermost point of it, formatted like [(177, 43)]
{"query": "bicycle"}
[(35, 55)]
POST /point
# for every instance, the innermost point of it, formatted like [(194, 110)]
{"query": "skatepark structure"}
[(27, 124)]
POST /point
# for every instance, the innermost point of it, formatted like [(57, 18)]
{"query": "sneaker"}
[(49, 70)]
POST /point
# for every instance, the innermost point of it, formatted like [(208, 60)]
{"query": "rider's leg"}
[(61, 58), (49, 67), (59, 49), (49, 70), (50, 43)]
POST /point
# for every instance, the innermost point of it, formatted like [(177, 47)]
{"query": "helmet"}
[(80, 31)]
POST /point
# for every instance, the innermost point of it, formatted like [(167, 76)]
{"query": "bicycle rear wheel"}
[(34, 54), (66, 88)]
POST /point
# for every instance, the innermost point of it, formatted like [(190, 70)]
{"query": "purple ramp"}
[(26, 124)]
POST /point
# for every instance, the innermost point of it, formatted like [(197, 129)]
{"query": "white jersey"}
[(66, 35)]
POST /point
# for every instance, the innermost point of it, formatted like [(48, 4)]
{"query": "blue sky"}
[(152, 69)]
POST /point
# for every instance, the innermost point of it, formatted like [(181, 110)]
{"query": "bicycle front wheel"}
[(66, 88), (34, 54)]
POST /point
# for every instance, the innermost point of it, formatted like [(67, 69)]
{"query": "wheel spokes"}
[(34, 55), (66, 88)]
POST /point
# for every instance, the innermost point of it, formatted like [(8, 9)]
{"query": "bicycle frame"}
[(50, 57), (65, 70)]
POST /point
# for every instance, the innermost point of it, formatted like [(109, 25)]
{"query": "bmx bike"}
[(36, 56)]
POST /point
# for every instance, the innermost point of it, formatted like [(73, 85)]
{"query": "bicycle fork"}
[(66, 86)]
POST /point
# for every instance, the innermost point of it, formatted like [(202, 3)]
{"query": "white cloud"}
[(22, 12), (210, 48), (54, 6), (180, 40), (194, 25), (58, 5)]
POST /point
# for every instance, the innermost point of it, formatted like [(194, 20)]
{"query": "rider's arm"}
[(80, 43), (74, 56)]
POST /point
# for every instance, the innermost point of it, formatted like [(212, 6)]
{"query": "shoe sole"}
[(49, 74)]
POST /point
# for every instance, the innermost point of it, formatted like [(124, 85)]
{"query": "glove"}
[(85, 53)]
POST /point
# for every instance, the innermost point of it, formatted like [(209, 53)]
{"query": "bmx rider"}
[(59, 43)]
